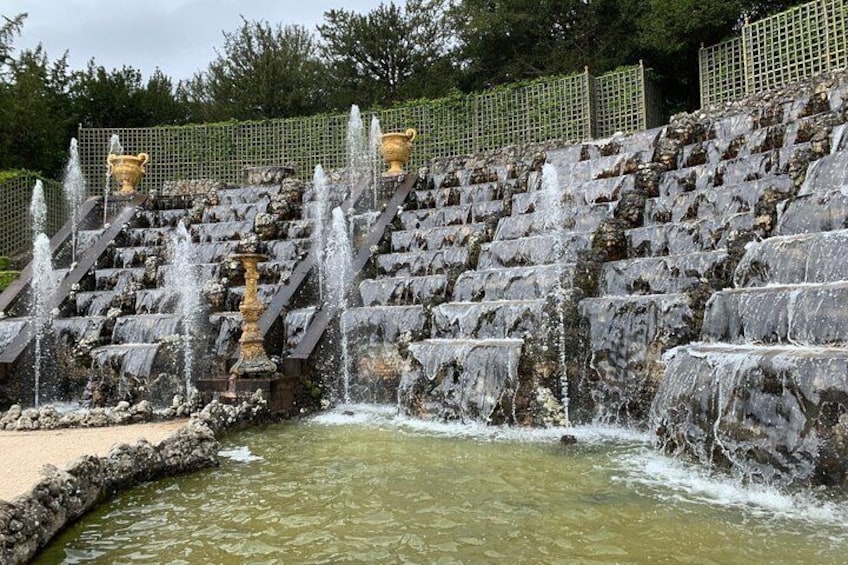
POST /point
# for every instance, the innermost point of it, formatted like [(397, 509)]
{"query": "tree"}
[(9, 30), (264, 72), (508, 40), (389, 54)]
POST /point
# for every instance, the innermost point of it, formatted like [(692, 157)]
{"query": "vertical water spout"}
[(116, 148), (42, 289), (339, 259), (357, 147), (321, 188), (554, 217), (182, 280), (37, 209), (375, 137), (73, 186)]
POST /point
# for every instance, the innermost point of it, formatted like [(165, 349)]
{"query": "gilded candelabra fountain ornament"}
[(127, 170), (252, 361), (396, 148)]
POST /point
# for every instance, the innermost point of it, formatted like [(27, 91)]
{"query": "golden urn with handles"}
[(127, 170), (396, 147)]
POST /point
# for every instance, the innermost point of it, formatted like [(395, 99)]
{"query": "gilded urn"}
[(396, 147), (127, 170)]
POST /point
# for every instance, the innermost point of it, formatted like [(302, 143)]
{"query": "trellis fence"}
[(15, 222), (795, 44), (575, 107)]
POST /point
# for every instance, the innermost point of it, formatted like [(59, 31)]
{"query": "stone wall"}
[(30, 521)]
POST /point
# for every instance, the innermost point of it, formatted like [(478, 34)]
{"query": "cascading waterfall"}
[(182, 279), (321, 187), (375, 136), (554, 222), (116, 148), (339, 258), (73, 186)]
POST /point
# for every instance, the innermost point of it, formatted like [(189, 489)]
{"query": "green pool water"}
[(375, 488)]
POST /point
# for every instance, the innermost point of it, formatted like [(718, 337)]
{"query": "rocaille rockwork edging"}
[(30, 521)]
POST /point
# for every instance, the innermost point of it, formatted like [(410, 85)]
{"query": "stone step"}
[(76, 330), (297, 322), (452, 215), (234, 212), (662, 275), (226, 327), (235, 295), (150, 301), (514, 283), (221, 231), (724, 173), (578, 219), (809, 314), (496, 319), (161, 218), (287, 249), (450, 261), (627, 336), (794, 259), (459, 195), (203, 272), (534, 250), (600, 167), (377, 340), (145, 328), (715, 202), (146, 237), (127, 360), (95, 303), (246, 194), (768, 412), (462, 379), (126, 257), (438, 238), (118, 279), (9, 330), (709, 234), (813, 213), (399, 291), (590, 192)]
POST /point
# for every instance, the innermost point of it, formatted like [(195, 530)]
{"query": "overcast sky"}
[(178, 36)]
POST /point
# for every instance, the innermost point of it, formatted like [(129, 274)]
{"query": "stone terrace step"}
[(725, 173), (714, 201), (686, 237), (661, 275), (399, 291), (145, 328), (812, 213), (515, 283), (452, 215), (580, 193), (234, 212), (534, 250), (75, 329), (246, 194), (622, 163), (797, 314), (95, 303), (794, 259), (117, 279), (578, 219), (460, 379), (221, 231), (450, 260), (129, 360), (459, 195), (496, 319), (437, 238), (384, 324)]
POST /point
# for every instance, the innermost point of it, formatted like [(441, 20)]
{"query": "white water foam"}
[(240, 454), (673, 480)]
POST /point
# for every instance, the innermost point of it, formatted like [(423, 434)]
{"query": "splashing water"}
[(38, 209), (554, 216), (118, 149), (43, 290), (322, 197), (339, 259), (182, 279), (357, 147), (73, 185), (375, 137)]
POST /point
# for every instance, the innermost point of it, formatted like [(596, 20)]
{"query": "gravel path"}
[(22, 454)]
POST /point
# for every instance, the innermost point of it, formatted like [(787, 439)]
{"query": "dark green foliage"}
[(264, 71), (388, 55)]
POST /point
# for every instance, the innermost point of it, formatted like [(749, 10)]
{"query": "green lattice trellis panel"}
[(722, 72), (15, 221)]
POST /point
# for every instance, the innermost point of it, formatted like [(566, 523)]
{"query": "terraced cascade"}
[(765, 392)]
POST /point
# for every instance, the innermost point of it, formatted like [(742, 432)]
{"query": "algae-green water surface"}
[(375, 488)]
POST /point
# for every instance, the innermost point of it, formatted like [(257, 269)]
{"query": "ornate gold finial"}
[(127, 170), (396, 147), (252, 361)]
